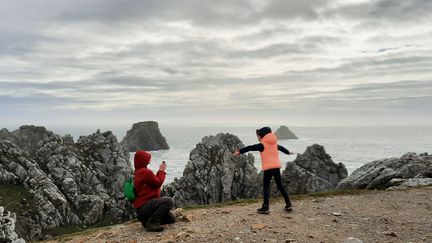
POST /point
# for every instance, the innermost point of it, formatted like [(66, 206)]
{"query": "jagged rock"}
[(26, 137), (68, 139), (312, 171), (144, 135), (283, 132), (77, 184), (385, 173), (7, 227), (213, 175)]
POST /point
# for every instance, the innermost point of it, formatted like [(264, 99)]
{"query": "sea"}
[(352, 145)]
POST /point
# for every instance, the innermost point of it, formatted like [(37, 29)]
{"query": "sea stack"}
[(144, 135), (312, 171), (213, 175), (283, 132)]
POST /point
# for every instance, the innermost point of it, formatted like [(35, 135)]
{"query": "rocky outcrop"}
[(213, 175), (68, 139), (7, 227), (283, 132), (312, 171), (144, 135), (72, 184), (26, 137), (385, 173)]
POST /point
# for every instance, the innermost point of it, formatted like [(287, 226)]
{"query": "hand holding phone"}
[(162, 167)]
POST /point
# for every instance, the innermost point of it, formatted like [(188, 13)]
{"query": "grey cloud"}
[(224, 13), (16, 43), (273, 50), (199, 12), (307, 9), (409, 11)]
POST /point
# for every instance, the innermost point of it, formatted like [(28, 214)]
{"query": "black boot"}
[(288, 208), (153, 225), (264, 209), (168, 219)]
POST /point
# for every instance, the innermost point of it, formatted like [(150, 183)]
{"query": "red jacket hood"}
[(269, 138), (141, 159)]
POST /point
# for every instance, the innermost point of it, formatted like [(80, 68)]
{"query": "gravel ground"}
[(373, 216)]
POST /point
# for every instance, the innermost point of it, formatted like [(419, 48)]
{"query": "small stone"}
[(390, 233), (289, 240), (311, 236), (352, 240), (181, 235), (237, 238), (336, 214), (335, 221), (258, 226)]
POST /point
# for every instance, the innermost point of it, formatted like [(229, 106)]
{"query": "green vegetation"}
[(278, 198), (59, 233), (12, 196), (67, 232)]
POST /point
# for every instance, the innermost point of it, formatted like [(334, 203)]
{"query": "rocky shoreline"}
[(80, 183)]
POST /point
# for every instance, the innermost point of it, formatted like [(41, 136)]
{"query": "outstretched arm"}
[(255, 147), (283, 149)]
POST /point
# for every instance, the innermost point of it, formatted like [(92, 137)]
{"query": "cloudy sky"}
[(295, 62)]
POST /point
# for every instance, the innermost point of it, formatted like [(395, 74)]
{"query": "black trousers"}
[(158, 209), (268, 174)]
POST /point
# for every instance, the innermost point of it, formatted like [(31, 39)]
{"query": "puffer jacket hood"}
[(269, 138), (141, 159)]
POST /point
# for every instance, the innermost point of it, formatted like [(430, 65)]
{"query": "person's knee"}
[(169, 202)]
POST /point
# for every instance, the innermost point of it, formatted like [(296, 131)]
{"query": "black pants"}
[(158, 209), (268, 174)]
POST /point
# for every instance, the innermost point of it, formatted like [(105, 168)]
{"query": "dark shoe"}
[(263, 210), (144, 223), (168, 219), (288, 208), (153, 226)]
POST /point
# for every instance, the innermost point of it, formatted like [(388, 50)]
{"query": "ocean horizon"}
[(352, 145)]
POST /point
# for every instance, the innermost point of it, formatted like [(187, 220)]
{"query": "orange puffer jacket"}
[(270, 154)]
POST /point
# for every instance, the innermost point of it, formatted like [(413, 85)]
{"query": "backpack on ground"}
[(129, 189)]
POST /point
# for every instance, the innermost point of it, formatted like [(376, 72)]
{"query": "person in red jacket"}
[(152, 209), (271, 165)]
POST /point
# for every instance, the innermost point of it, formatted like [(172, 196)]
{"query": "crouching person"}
[(152, 210)]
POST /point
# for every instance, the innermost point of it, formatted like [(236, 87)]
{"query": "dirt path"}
[(375, 216)]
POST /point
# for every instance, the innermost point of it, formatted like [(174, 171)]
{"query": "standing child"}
[(271, 165)]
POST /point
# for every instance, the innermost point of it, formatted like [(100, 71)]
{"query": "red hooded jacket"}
[(147, 184)]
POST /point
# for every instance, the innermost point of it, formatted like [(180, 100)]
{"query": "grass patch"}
[(62, 233), (279, 198), (220, 205), (12, 196)]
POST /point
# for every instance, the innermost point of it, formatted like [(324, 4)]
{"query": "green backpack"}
[(129, 190)]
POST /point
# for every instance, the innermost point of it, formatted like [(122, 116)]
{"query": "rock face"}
[(213, 175), (26, 137), (312, 171), (72, 184), (144, 135), (283, 132), (410, 169), (7, 227)]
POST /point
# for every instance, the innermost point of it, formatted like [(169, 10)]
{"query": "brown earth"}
[(372, 216)]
